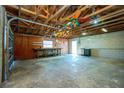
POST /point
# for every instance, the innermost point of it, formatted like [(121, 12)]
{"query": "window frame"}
[(47, 44)]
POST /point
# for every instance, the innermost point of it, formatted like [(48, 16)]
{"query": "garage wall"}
[(1, 30), (104, 45), (23, 45)]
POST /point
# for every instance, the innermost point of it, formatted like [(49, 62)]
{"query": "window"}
[(47, 44)]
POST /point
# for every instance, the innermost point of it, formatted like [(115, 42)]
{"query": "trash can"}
[(87, 52)]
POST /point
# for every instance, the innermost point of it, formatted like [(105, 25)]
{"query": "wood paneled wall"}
[(23, 47)]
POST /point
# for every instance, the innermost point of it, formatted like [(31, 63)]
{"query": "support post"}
[(2, 12)]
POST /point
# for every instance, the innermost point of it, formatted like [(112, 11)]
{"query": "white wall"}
[(110, 40), (104, 45)]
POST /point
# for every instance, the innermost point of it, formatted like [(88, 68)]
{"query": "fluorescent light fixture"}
[(104, 30), (84, 33)]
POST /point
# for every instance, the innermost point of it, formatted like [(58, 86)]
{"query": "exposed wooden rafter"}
[(99, 11), (27, 11), (57, 13), (111, 18), (82, 9), (38, 9)]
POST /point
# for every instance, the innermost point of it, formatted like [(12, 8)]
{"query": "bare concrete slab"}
[(69, 71)]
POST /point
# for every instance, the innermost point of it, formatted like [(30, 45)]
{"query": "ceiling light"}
[(104, 30), (95, 21), (84, 33)]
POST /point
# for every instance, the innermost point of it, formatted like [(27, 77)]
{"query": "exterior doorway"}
[(74, 47)]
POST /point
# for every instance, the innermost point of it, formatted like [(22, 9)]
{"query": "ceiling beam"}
[(53, 10), (82, 9), (57, 13), (63, 13), (105, 26), (89, 27), (27, 11), (103, 18), (99, 11), (38, 9), (46, 11)]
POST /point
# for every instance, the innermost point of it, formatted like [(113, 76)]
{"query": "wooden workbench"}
[(44, 52)]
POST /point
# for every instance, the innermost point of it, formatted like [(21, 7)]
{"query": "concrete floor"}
[(67, 71)]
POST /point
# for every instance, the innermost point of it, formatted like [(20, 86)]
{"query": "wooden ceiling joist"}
[(57, 13), (82, 9), (111, 18), (46, 11), (104, 26), (53, 10), (90, 27), (36, 16), (108, 25), (106, 17), (27, 11), (99, 11)]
